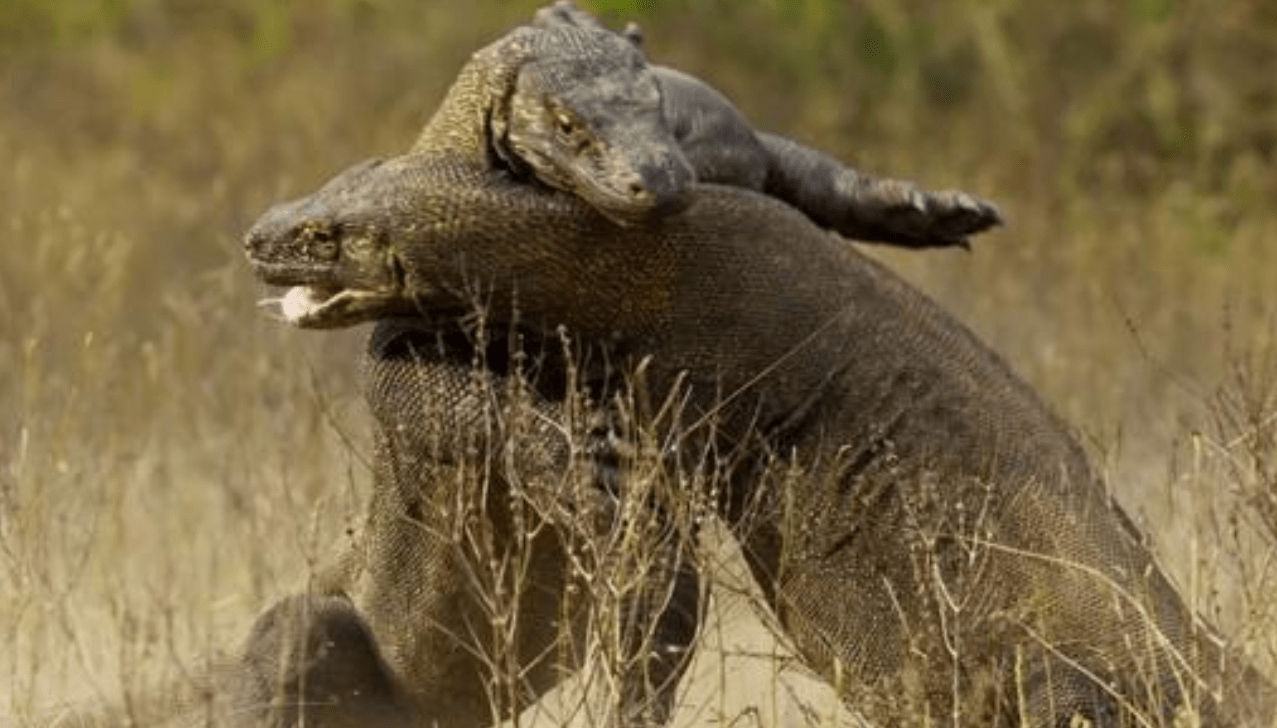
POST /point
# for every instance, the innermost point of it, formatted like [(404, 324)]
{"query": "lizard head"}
[(588, 120), (430, 235), (332, 249)]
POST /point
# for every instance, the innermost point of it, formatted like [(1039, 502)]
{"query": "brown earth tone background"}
[(171, 461)]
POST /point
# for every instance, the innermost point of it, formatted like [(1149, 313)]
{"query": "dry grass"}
[(171, 461)]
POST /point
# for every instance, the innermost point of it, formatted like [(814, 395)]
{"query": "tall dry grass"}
[(170, 461)]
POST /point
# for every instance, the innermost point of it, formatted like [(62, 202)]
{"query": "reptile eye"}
[(320, 241), (325, 249), (316, 232), (567, 126)]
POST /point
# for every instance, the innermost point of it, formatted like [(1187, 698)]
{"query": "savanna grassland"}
[(171, 460)]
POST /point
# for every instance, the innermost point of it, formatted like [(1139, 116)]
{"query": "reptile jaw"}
[(325, 307)]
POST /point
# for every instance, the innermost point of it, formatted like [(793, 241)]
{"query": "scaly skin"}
[(312, 660), (632, 171), (578, 108), (918, 517), (723, 148), (442, 427)]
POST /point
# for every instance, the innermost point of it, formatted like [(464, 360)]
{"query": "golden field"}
[(171, 460)]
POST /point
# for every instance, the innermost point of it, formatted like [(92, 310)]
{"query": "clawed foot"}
[(899, 212)]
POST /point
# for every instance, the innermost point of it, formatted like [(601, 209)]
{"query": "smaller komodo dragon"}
[(578, 108), (919, 519)]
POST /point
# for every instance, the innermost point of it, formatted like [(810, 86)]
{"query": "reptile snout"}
[(272, 234), (262, 238), (308, 229), (286, 251), (653, 185), (279, 234), (665, 186)]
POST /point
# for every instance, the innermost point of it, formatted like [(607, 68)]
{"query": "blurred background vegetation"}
[(161, 435)]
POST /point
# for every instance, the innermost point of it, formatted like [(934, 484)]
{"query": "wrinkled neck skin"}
[(539, 64), (477, 100)]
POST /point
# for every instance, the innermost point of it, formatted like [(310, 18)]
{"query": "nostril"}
[(638, 190)]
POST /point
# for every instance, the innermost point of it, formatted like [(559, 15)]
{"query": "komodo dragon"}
[(577, 107), (921, 522), (506, 108)]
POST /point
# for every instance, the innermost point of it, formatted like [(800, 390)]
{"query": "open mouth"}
[(330, 307)]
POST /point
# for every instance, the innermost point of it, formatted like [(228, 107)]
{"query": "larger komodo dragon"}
[(578, 107), (921, 522)]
